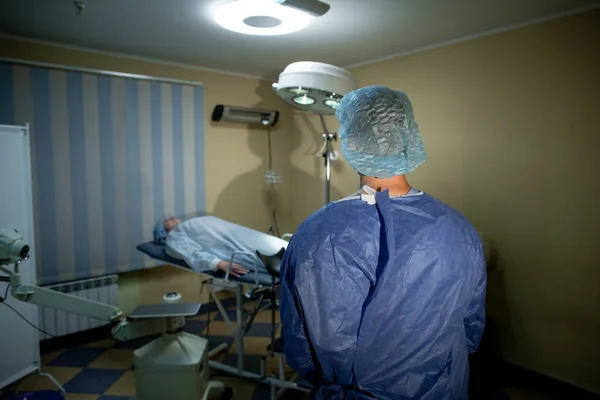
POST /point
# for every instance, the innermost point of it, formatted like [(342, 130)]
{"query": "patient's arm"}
[(179, 245), (235, 269)]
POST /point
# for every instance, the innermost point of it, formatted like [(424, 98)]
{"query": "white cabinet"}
[(19, 341)]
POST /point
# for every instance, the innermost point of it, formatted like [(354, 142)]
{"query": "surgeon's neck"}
[(397, 185)]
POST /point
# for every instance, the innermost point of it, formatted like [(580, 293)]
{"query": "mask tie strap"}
[(369, 197)]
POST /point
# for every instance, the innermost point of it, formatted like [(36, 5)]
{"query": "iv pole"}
[(327, 152)]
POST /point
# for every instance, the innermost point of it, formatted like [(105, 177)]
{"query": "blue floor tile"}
[(232, 314), (135, 344), (261, 330), (77, 357), (251, 363), (194, 327), (214, 341), (93, 381), (263, 392), (38, 394), (211, 307)]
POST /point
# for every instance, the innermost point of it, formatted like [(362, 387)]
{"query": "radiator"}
[(59, 323)]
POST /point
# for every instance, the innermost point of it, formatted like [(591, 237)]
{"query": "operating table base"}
[(239, 370)]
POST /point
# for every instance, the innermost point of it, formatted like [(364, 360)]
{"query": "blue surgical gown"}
[(385, 300)]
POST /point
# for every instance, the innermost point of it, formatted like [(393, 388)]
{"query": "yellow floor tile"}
[(46, 358), (61, 374), (219, 357), (225, 294), (40, 382), (125, 386), (103, 344), (272, 366), (242, 389), (219, 328), (253, 346), (71, 396), (114, 359)]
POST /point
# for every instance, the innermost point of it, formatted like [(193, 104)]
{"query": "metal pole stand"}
[(327, 138)]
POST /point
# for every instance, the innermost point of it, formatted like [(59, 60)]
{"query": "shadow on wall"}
[(308, 167), (233, 204)]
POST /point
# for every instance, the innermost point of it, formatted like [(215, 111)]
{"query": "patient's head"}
[(162, 229), (169, 223)]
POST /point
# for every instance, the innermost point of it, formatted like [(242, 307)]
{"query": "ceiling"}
[(352, 32)]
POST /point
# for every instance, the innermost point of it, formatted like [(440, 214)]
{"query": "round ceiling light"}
[(260, 17)]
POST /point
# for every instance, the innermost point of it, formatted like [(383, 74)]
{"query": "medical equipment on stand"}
[(316, 88), (244, 115), (268, 118), (272, 178), (259, 284), (329, 155), (173, 366)]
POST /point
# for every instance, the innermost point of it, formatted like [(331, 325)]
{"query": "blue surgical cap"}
[(160, 233), (379, 136)]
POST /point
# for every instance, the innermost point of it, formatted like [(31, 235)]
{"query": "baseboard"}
[(75, 339), (517, 375), (489, 374)]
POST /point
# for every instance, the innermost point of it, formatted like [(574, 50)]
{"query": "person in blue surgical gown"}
[(383, 292), (207, 244)]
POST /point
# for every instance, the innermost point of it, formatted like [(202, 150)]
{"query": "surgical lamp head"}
[(13, 248), (314, 87)]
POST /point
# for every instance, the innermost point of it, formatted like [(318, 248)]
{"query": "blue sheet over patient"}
[(204, 241)]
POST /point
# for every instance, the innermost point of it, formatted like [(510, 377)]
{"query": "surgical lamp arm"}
[(13, 250), (62, 301), (125, 328)]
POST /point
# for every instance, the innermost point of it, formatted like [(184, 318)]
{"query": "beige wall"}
[(511, 125), (236, 156)]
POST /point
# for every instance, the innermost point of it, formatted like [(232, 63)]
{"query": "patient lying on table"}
[(207, 244)]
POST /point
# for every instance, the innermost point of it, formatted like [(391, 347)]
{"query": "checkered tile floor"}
[(104, 370)]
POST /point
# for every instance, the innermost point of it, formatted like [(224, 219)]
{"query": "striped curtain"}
[(110, 157)]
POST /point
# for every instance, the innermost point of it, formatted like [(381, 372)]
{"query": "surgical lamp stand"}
[(327, 155), (178, 357)]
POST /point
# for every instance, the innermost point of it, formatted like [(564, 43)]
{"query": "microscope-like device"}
[(173, 366)]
